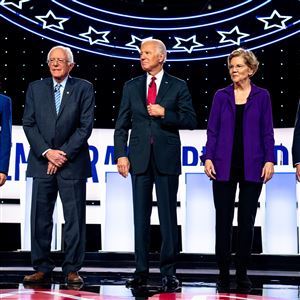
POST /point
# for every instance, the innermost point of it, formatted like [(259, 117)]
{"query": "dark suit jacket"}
[(5, 132), (296, 139), (174, 96), (68, 131)]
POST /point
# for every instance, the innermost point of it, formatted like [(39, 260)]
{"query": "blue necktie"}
[(57, 96)]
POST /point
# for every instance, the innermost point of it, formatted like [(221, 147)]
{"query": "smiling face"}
[(151, 57), (238, 69), (59, 65)]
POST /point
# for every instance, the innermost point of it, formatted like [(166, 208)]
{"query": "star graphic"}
[(190, 43), (95, 36), (53, 21), (234, 35), (275, 20), (16, 3), (136, 42)]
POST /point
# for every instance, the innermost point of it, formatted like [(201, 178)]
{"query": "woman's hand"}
[(267, 171), (209, 169)]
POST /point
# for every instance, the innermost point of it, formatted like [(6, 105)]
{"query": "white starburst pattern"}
[(136, 42), (274, 20), (53, 21), (190, 43), (227, 36), (95, 36), (18, 3)]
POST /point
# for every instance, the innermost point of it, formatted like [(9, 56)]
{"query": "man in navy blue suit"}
[(5, 136), (58, 120), (154, 106)]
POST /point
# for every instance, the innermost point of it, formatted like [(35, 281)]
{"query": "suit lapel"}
[(142, 91), (50, 97), (66, 95), (163, 88)]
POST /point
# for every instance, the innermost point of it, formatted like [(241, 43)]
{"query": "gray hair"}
[(67, 50), (160, 46)]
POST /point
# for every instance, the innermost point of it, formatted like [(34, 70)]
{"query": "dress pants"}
[(166, 187), (224, 193), (73, 197)]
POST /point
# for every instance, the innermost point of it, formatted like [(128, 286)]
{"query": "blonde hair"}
[(248, 56)]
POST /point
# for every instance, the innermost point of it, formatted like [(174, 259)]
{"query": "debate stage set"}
[(105, 36)]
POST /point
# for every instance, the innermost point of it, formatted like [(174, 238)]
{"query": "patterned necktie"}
[(152, 91), (57, 96)]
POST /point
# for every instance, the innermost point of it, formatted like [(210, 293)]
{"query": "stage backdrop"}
[(277, 213)]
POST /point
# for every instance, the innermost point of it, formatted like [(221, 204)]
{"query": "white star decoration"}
[(51, 15), (90, 34), (181, 42), (136, 42), (239, 34), (18, 5), (278, 19)]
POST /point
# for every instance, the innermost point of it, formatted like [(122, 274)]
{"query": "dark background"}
[(23, 59)]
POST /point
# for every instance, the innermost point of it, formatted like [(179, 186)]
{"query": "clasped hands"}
[(56, 159)]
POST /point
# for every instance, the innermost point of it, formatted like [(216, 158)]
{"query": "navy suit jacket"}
[(68, 131), (174, 96), (5, 132)]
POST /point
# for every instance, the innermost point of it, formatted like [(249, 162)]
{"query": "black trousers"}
[(166, 187), (224, 193), (73, 198)]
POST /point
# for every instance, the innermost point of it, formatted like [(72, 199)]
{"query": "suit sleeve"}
[(267, 130), (184, 117), (82, 133), (296, 139), (122, 127), (5, 136), (213, 127), (36, 141)]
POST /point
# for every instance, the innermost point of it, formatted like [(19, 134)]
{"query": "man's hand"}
[(52, 169), (2, 178), (123, 166), (56, 157), (155, 110)]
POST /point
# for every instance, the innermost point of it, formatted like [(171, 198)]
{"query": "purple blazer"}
[(257, 127)]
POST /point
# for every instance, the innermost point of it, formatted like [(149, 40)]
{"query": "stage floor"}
[(109, 284)]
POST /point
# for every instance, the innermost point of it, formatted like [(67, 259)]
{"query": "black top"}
[(238, 141)]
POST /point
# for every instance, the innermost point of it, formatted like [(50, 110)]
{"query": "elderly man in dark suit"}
[(154, 106), (5, 136), (58, 120)]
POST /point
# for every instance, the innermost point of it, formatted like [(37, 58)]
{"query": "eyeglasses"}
[(57, 60)]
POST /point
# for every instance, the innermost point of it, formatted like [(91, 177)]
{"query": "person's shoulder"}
[(174, 78), (82, 81), (225, 90), (135, 80), (40, 82), (5, 98), (260, 90)]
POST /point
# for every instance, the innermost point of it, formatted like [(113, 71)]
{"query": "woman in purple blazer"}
[(239, 150)]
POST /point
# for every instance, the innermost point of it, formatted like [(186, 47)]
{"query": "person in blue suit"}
[(58, 120), (5, 136), (154, 156)]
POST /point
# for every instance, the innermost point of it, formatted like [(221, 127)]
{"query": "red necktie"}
[(152, 91)]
